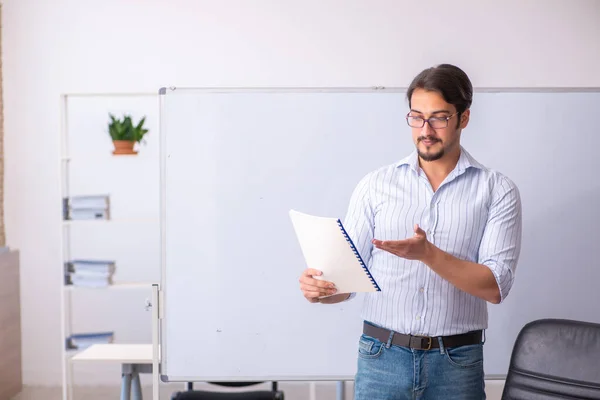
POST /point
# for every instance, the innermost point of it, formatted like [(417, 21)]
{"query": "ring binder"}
[(357, 254)]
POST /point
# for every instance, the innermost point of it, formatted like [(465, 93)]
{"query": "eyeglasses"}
[(434, 122)]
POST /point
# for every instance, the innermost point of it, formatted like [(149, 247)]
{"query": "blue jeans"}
[(398, 373)]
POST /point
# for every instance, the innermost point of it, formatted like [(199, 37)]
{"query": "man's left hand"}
[(414, 248)]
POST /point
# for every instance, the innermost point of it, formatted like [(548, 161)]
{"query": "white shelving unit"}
[(131, 235)]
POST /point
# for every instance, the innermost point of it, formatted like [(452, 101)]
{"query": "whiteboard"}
[(234, 162)]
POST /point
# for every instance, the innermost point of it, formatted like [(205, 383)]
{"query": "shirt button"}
[(421, 290), (418, 317)]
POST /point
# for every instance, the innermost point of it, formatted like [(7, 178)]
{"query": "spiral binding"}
[(357, 254)]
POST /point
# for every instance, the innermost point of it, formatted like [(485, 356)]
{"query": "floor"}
[(292, 390)]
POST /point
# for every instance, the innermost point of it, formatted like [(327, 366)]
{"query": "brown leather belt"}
[(422, 342)]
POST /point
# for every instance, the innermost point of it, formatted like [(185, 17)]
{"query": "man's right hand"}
[(314, 288)]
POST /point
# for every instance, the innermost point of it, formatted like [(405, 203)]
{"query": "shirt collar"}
[(412, 160), (465, 161)]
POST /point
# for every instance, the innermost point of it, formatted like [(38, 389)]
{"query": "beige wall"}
[(10, 325)]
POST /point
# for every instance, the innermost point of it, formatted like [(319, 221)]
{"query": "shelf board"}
[(140, 220), (114, 286), (108, 156)]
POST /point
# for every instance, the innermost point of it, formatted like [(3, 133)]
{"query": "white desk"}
[(134, 359)]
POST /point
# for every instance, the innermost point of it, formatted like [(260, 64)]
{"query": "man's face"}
[(444, 137)]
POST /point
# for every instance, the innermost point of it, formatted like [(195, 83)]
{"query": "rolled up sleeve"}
[(501, 243)]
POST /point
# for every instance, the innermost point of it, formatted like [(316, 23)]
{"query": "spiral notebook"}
[(327, 247)]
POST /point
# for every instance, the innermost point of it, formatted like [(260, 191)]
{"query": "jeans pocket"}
[(369, 347), (469, 356)]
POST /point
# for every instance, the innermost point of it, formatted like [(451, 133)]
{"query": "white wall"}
[(54, 47)]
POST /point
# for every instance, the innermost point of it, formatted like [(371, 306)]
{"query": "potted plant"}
[(125, 134)]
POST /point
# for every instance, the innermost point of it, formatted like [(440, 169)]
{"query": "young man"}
[(441, 234)]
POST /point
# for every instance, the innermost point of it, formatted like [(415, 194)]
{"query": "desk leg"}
[(136, 385), (132, 384), (341, 391), (126, 386)]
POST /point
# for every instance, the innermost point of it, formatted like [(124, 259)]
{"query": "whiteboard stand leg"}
[(155, 344), (341, 392)]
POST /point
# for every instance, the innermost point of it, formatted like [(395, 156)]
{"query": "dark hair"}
[(448, 80)]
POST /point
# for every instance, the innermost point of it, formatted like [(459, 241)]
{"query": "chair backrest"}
[(205, 395), (236, 384), (555, 358), (190, 394)]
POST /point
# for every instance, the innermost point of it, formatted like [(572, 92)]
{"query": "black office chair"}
[(555, 359), (191, 394)]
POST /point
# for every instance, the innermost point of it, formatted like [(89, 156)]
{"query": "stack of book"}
[(86, 207), (84, 340), (89, 273)]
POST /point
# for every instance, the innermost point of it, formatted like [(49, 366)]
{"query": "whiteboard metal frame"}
[(174, 90), (365, 89)]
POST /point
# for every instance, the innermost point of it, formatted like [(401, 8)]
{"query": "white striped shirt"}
[(474, 215)]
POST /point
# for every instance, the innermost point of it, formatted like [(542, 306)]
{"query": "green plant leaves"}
[(124, 129)]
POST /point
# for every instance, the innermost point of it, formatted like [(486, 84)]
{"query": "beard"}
[(428, 155)]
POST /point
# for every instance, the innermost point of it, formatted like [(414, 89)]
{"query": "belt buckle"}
[(430, 340)]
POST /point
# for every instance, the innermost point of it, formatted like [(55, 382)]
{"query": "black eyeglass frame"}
[(448, 118)]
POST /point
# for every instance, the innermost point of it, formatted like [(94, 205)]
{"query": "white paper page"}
[(326, 249)]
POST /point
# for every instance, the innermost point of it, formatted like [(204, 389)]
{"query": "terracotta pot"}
[(124, 147)]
